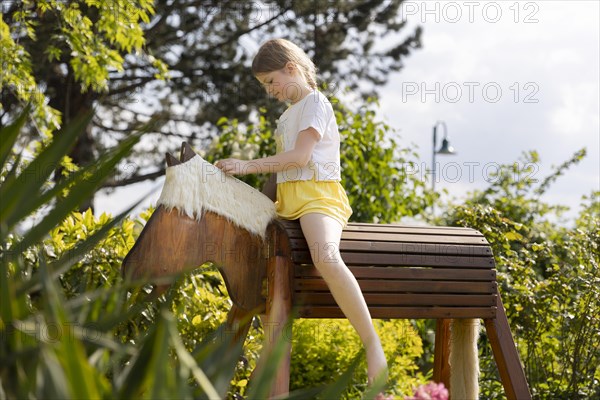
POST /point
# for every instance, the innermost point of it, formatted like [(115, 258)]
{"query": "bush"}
[(549, 281), (70, 327), (325, 348)]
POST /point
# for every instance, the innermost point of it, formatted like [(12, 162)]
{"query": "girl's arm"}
[(298, 157)]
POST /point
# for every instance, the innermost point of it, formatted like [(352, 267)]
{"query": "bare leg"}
[(323, 235)]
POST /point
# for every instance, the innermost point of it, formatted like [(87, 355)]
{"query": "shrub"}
[(324, 348), (549, 280), (70, 327)]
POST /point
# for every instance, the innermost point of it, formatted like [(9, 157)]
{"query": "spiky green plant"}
[(61, 340)]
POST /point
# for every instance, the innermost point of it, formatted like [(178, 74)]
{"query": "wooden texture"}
[(269, 189), (413, 272), (507, 356), (441, 357), (187, 153), (239, 321), (404, 272), (172, 243), (279, 307)]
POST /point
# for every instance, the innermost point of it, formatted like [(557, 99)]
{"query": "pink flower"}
[(430, 391)]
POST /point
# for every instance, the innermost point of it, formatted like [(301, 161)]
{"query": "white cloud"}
[(576, 113), (548, 73)]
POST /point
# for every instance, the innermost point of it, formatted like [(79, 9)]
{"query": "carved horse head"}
[(204, 215)]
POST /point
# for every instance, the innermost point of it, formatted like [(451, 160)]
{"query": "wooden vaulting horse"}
[(205, 215), (192, 225)]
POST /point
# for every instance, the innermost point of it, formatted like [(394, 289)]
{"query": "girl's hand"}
[(232, 166)]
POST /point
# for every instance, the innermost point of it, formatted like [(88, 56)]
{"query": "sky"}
[(504, 77)]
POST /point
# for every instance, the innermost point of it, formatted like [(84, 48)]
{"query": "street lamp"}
[(445, 149)]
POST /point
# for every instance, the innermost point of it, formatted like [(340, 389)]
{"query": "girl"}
[(308, 177)]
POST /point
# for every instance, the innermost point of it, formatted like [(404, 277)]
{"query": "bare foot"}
[(381, 376), (377, 368), (376, 363)]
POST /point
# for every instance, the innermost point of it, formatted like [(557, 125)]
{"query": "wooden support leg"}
[(506, 355), (441, 365), (279, 311)]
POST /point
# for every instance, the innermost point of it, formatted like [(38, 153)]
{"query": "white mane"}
[(197, 185)]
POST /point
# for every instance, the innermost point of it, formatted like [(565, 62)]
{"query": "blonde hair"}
[(274, 54)]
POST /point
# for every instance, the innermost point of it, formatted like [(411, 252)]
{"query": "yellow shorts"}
[(297, 198)]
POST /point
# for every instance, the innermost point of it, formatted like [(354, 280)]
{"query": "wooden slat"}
[(404, 312), (383, 286), (440, 272), (425, 230), (291, 224), (395, 299), (354, 258), (452, 249), (406, 273), (398, 230), (395, 237), (392, 237), (409, 226)]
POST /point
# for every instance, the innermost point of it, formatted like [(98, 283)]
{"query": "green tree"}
[(548, 276), (58, 56), (75, 46), (106, 53)]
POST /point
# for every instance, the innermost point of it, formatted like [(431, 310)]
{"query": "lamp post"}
[(445, 149)]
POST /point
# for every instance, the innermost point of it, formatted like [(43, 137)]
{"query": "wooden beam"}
[(279, 308), (441, 357), (507, 356)]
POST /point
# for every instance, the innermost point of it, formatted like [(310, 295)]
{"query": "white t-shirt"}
[(314, 111)]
